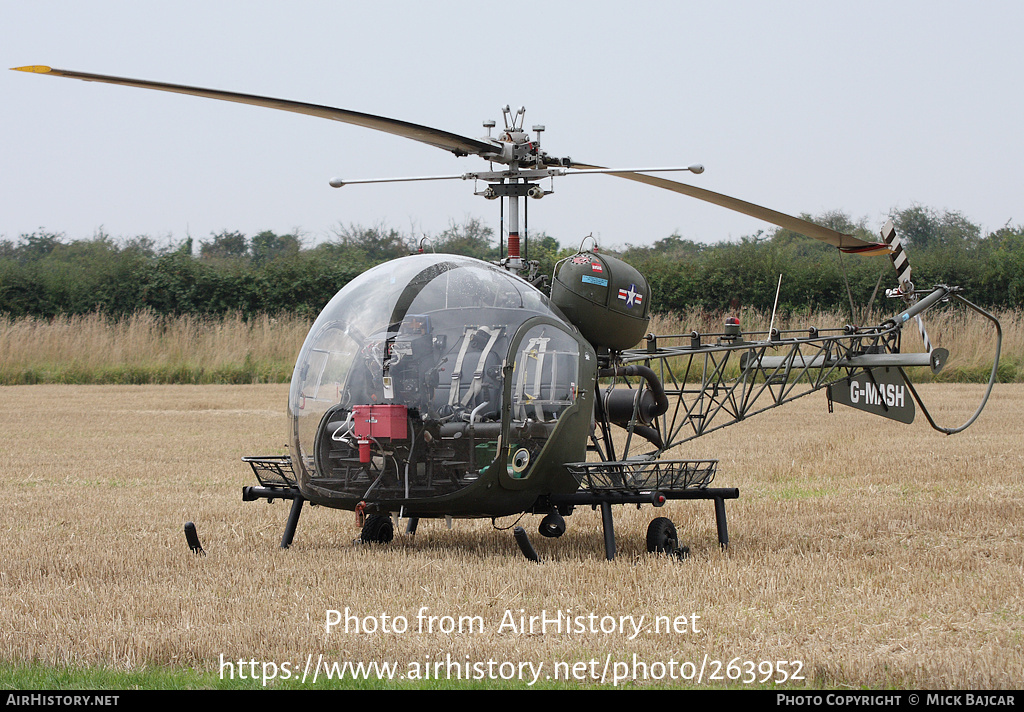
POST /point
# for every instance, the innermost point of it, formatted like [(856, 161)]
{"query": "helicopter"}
[(439, 386)]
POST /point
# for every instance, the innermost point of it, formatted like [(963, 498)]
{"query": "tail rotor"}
[(900, 262)]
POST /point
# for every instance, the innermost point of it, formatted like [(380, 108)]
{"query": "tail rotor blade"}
[(902, 266)]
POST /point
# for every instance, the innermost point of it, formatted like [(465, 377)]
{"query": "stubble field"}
[(864, 553)]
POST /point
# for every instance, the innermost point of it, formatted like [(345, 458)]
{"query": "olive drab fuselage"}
[(439, 385)]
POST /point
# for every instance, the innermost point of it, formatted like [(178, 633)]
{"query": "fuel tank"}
[(605, 298)]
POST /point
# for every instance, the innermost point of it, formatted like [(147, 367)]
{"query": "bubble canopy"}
[(412, 362)]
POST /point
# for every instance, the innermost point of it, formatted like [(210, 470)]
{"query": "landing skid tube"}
[(277, 481), (251, 494), (605, 500), (638, 482)]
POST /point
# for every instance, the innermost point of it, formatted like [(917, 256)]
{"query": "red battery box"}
[(381, 421)]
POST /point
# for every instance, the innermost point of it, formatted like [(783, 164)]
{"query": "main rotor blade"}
[(459, 145), (463, 146), (845, 242)]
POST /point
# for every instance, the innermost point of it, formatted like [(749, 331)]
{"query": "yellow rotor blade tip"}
[(35, 69)]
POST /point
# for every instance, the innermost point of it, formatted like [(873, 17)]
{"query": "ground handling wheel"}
[(377, 529), (662, 538), (552, 526)]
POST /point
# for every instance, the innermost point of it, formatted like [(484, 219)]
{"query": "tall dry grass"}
[(148, 348)]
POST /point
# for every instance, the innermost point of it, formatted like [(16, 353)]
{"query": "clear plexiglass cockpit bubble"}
[(403, 377)]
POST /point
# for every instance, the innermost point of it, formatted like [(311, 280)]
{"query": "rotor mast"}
[(514, 182)]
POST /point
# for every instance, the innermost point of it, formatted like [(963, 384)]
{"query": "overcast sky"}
[(803, 107)]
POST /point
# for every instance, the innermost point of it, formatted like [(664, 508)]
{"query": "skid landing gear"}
[(277, 481), (661, 534), (250, 494)]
